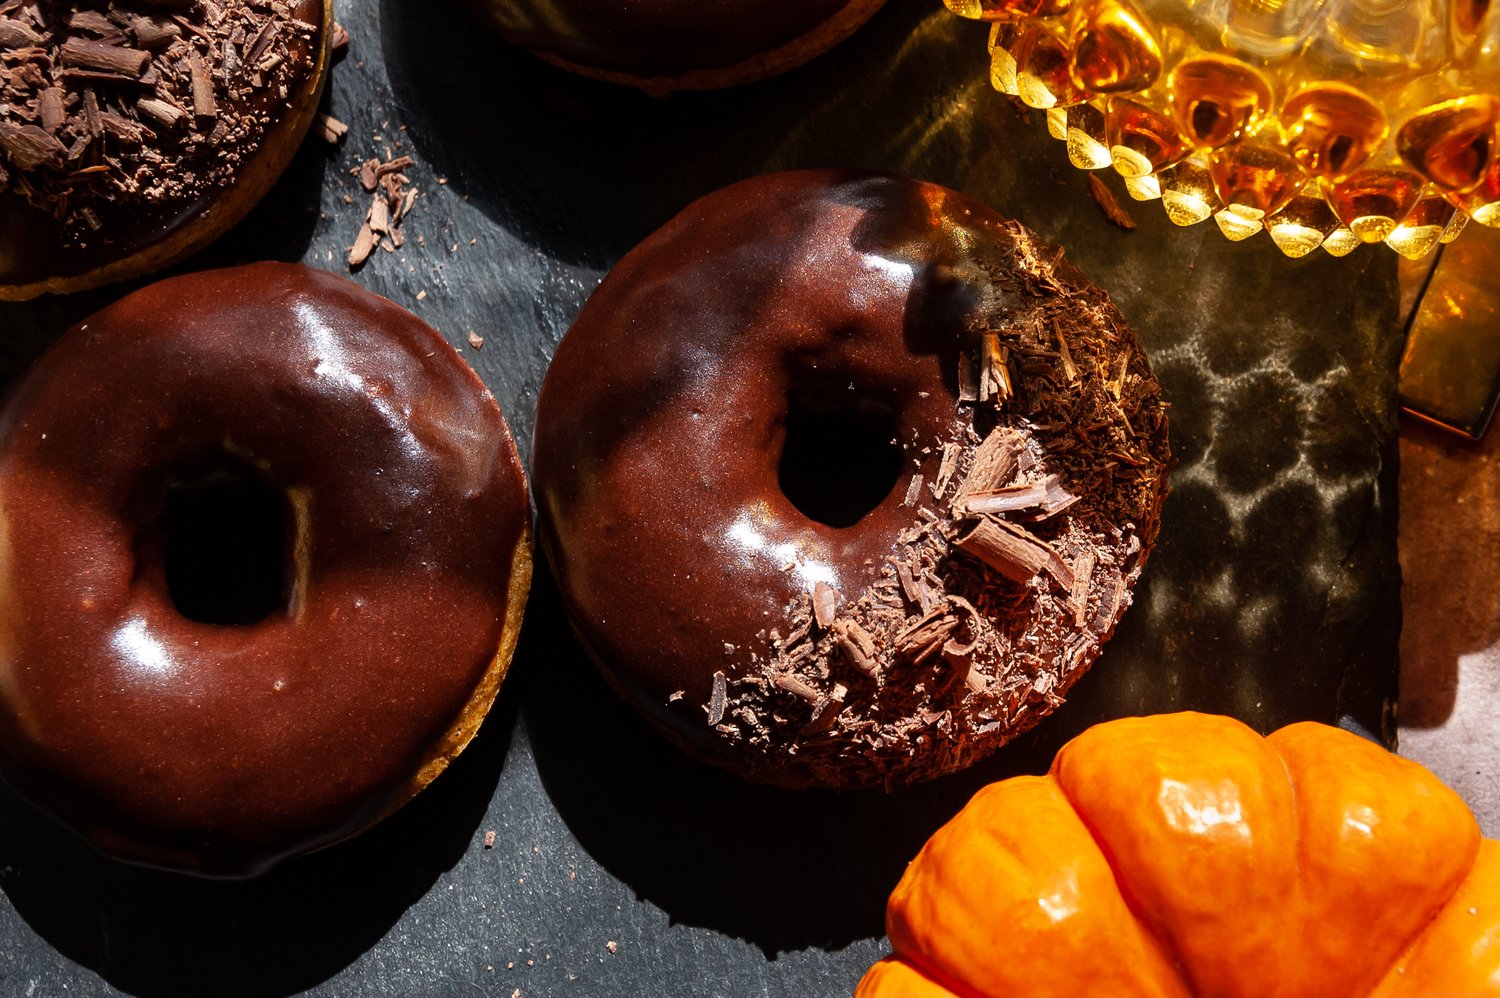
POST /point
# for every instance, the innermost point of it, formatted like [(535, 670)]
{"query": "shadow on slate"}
[(1273, 594), (155, 933)]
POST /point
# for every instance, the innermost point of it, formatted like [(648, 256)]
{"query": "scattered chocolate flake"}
[(339, 38), (489, 839), (1107, 201), (364, 245), (825, 604), (331, 129), (391, 201), (475, 340)]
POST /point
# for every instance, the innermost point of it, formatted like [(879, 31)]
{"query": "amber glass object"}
[(1319, 122)]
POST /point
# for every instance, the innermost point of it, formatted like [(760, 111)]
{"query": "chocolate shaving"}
[(49, 107), (994, 370), (825, 604), (93, 22), (1003, 500), (1006, 548), (717, 700), (155, 33), (913, 491), (1078, 595), (994, 464), (794, 684), (91, 54), (1110, 205), (205, 108), (15, 35), (29, 147), (161, 112), (331, 129), (856, 643), (364, 245), (339, 38)]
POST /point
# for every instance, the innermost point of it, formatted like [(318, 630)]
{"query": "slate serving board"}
[(618, 866)]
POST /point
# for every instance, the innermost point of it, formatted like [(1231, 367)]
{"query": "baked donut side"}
[(143, 135), (664, 46), (952, 608), (398, 553)]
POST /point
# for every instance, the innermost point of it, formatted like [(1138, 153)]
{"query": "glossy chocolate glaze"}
[(662, 419), (658, 38), (35, 247), (218, 748)]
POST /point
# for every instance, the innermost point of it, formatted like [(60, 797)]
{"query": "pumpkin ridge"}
[(1165, 946), (1328, 739)]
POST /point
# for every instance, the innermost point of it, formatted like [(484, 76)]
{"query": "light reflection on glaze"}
[(746, 534), (141, 651)]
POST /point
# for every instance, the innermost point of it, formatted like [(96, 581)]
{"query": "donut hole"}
[(223, 536), (838, 463)]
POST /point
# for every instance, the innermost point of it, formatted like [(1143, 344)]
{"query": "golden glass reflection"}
[(1301, 226), (1453, 142), (1331, 128), (1215, 98), (1114, 50), (1371, 203)]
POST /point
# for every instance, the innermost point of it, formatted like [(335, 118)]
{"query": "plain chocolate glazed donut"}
[(666, 45), (845, 479), (172, 731)]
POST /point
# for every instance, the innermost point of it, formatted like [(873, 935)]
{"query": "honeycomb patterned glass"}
[(1321, 122)]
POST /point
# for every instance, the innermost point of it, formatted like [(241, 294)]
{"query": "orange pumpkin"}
[(1184, 854)]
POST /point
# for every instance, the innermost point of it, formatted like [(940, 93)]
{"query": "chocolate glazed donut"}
[(666, 45), (845, 479), (264, 549)]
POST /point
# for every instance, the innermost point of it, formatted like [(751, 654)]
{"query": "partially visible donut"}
[(1020, 458), (135, 132), (323, 444), (663, 46)]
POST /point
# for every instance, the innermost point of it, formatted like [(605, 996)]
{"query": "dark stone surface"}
[(1273, 594)]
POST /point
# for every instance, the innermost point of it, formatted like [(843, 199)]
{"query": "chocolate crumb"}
[(475, 340), (489, 840)]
